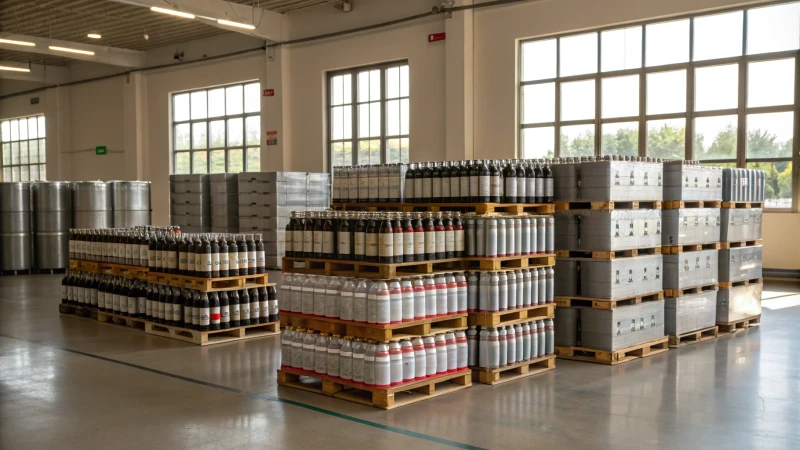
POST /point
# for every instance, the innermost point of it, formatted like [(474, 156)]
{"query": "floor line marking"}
[(256, 395)]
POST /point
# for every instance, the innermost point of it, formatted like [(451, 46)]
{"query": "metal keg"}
[(15, 226), (93, 206), (131, 203), (52, 219)]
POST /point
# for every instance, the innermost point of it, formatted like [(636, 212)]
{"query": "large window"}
[(368, 115), (718, 87), (217, 130), (23, 149)]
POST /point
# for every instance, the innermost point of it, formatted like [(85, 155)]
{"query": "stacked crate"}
[(224, 202), (692, 198), (609, 268), (266, 200), (740, 260), (190, 202)]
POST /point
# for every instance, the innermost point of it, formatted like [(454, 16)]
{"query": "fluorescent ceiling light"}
[(235, 24), (94, 35), (172, 12), (14, 69), (71, 50), (25, 43)]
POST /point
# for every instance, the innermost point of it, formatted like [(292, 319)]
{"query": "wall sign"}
[(34, 100), (100, 150), (272, 138), (436, 37), (269, 92)]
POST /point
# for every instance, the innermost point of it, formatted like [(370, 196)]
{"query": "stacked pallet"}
[(224, 202), (740, 260), (692, 198), (609, 266), (190, 202)]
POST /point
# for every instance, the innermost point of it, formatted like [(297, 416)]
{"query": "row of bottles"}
[(378, 364), (169, 305), (386, 237), (495, 235), (170, 251), (495, 347), (376, 301), (510, 289)]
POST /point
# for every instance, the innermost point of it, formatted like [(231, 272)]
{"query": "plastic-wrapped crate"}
[(691, 269), (740, 224), (566, 326), (589, 230), (690, 312), (739, 302), (608, 279), (620, 181), (689, 182), (565, 182), (740, 263), (691, 226), (192, 209), (622, 327)]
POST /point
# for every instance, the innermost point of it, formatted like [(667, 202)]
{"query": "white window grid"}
[(23, 148)]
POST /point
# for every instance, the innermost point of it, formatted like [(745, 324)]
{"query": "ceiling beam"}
[(104, 55), (38, 73), (269, 25)]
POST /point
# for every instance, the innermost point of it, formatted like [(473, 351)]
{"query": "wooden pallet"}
[(678, 249), (738, 325), (89, 266), (215, 336), (363, 269), (742, 205), (693, 337), (609, 205), (730, 284), (76, 311), (604, 303), (124, 270), (514, 371), (119, 319), (384, 398), (75, 264), (691, 290), (736, 244), (512, 316), (681, 204), (512, 208), (612, 254), (380, 333), (509, 262), (614, 357), (210, 284)]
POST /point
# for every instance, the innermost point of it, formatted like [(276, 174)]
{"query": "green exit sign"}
[(100, 150), (34, 100)]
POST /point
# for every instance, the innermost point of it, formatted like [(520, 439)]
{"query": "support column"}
[(273, 157), (57, 137), (133, 125), (459, 83)]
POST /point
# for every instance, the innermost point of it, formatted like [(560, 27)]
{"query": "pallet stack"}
[(740, 259), (190, 202), (224, 202), (609, 265)]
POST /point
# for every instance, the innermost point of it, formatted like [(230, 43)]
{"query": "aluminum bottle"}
[(372, 302), (287, 279), (419, 298), (408, 361), (511, 338), (420, 358), (441, 295), (395, 363), (502, 347), (472, 291), (542, 293), (540, 326), (531, 286), (308, 350), (407, 303), (359, 351), (520, 342), (430, 297), (382, 304), (493, 345), (346, 359), (452, 352), (461, 293), (469, 236), (369, 363), (346, 299), (494, 292), (527, 345), (441, 353), (533, 236), (535, 335), (550, 277), (480, 236), (483, 291), (461, 350), (395, 302), (319, 295), (550, 239), (511, 236), (549, 336), (332, 297), (297, 348), (502, 284), (483, 348), (511, 291), (334, 355), (296, 304), (501, 237), (286, 346), (360, 302), (541, 234), (491, 237), (430, 356), (472, 346)]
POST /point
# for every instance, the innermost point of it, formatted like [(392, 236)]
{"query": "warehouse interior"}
[(125, 90)]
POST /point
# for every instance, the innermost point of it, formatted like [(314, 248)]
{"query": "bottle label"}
[(317, 241), (385, 245), (224, 314), (223, 262), (427, 188), (430, 242), (459, 240), (289, 241), (511, 187), (485, 186), (394, 187), (132, 305), (214, 316), (419, 243), (205, 316), (344, 242), (398, 244), (496, 185), (245, 311), (446, 187), (244, 261), (172, 260), (441, 241), (530, 187), (206, 262), (436, 187), (297, 237), (372, 244), (449, 240), (474, 186), (182, 261), (235, 313), (308, 241), (177, 311), (273, 307), (360, 246), (409, 193), (327, 242), (128, 251), (539, 187), (114, 252), (64, 292), (151, 256), (548, 187), (251, 259), (408, 243), (141, 304), (233, 261), (261, 258)]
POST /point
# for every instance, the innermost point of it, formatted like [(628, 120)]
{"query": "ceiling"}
[(121, 25)]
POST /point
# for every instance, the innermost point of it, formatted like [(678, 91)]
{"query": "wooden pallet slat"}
[(213, 336), (682, 248), (609, 205), (736, 326), (690, 290), (604, 303), (210, 284), (510, 262), (742, 205), (515, 371), (511, 316), (610, 254), (736, 244), (511, 208), (381, 333), (614, 357), (730, 284), (693, 337), (385, 398), (119, 319), (691, 204)]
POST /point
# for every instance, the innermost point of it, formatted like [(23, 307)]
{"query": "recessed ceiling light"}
[(11, 41), (94, 35), (172, 12), (71, 50), (14, 69), (235, 24)]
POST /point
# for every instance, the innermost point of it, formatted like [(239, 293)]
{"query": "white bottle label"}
[(205, 316), (372, 244), (440, 241), (206, 262), (408, 243), (495, 188), (459, 240), (233, 261), (430, 242), (511, 187), (172, 260), (419, 243), (485, 186), (450, 240), (360, 247), (317, 241), (344, 243), (474, 186), (327, 242), (385, 245), (251, 259), (224, 264)]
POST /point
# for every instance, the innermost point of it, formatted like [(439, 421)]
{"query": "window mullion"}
[(598, 99), (688, 151), (354, 117), (384, 97), (643, 98), (557, 127)]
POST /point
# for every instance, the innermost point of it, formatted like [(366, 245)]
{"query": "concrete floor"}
[(69, 382)]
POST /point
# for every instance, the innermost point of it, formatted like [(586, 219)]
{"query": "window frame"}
[(207, 120), (354, 104), (742, 111), (40, 140)]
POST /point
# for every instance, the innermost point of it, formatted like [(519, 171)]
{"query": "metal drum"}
[(131, 203), (52, 219), (15, 226), (93, 204)]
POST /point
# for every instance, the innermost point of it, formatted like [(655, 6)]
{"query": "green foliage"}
[(624, 142), (667, 141), (581, 145)]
